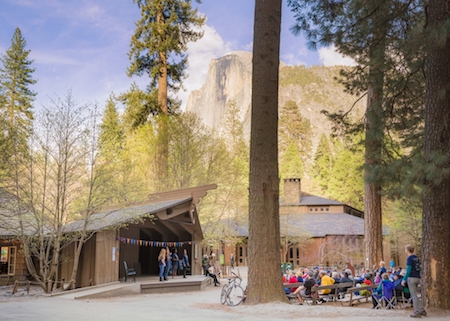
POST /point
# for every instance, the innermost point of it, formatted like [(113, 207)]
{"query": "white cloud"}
[(330, 57), (209, 47), (249, 47), (291, 60)]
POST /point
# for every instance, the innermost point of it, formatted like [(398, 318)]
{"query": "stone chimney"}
[(292, 191)]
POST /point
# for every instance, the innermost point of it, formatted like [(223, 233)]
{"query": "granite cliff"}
[(313, 89)]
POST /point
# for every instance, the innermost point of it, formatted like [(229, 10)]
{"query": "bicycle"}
[(232, 293)]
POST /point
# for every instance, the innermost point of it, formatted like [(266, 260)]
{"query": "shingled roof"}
[(118, 216), (316, 224)]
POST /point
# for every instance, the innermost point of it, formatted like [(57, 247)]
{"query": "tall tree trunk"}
[(264, 277), (373, 232), (436, 199), (163, 137)]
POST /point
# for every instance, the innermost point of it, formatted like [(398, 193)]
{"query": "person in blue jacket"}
[(412, 277)]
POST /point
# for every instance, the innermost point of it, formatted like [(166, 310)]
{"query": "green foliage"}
[(293, 127), (291, 165), (15, 78), (227, 206), (323, 164), (16, 99), (111, 131), (188, 143), (139, 105), (347, 183), (299, 75), (160, 40), (404, 219)]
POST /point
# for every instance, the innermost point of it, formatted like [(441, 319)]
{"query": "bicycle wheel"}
[(223, 294), (235, 295)]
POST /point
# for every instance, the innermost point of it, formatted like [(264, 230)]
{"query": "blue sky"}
[(82, 45)]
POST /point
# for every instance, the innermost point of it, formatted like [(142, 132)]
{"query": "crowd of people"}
[(404, 280), (170, 262)]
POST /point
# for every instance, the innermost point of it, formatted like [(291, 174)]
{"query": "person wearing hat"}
[(305, 289)]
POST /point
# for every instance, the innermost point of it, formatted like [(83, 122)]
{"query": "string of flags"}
[(127, 240)]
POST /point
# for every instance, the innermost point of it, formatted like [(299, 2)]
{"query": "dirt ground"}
[(183, 306)]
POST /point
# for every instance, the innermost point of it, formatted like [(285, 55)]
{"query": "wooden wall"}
[(21, 269), (106, 263)]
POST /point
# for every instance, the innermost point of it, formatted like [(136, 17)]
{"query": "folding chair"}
[(129, 272), (387, 300)]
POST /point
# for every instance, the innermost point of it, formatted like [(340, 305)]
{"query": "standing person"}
[(175, 260), (392, 264), (185, 262), (205, 263), (161, 263), (412, 277), (232, 260), (168, 264), (382, 268)]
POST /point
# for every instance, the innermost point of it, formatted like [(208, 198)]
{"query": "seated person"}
[(325, 280), (344, 279), (378, 292), (299, 275), (399, 288), (367, 281), (378, 277), (213, 275), (335, 275), (293, 279), (304, 291)]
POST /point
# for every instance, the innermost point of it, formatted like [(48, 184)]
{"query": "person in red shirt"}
[(293, 279), (367, 280)]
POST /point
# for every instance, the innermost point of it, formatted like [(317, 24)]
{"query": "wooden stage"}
[(178, 284), (143, 284)]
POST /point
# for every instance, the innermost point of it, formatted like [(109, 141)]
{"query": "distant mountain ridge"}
[(313, 89)]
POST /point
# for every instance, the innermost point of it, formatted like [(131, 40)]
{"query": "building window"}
[(8, 260), (316, 209), (321, 209), (327, 209), (311, 209)]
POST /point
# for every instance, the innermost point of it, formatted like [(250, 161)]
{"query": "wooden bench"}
[(315, 290), (353, 298), (292, 285)]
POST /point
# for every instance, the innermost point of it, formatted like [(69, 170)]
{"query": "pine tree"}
[(111, 131), (15, 77), (293, 127), (16, 103), (159, 42), (372, 33), (291, 165), (323, 163), (264, 222), (139, 105), (436, 198), (158, 48), (347, 184)]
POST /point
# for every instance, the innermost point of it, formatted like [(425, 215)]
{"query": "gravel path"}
[(184, 306)]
